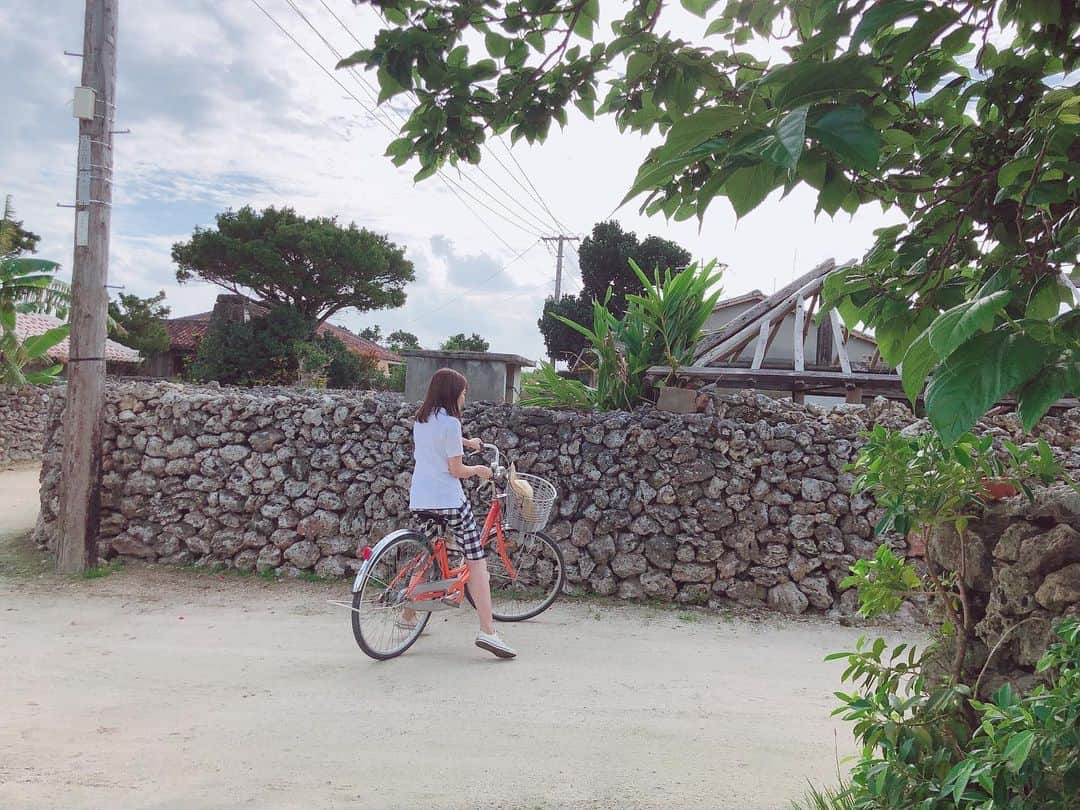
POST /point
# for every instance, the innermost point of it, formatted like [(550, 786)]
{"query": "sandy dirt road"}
[(158, 688)]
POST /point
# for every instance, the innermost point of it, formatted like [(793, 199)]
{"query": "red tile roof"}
[(186, 332)]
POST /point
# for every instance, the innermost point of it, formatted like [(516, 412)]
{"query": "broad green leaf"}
[(1050, 385), (846, 133), (39, 345), (883, 15), (918, 361), (833, 192), (497, 46), (1008, 173), (698, 7), (898, 138), (791, 137), (976, 376), (922, 34), (956, 326), (799, 83), (1045, 300), (692, 130), (1018, 748), (748, 187)]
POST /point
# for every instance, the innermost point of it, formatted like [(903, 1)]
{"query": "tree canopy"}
[(461, 343), (141, 322), (955, 112), (313, 265), (604, 257)]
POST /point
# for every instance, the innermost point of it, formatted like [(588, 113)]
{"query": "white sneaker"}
[(493, 644)]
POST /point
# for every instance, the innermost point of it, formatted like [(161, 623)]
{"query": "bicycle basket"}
[(530, 514)]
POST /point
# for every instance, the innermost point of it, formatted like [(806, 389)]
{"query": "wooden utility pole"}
[(80, 483), (559, 259)]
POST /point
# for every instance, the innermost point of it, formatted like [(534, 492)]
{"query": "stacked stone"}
[(748, 503), (23, 412)]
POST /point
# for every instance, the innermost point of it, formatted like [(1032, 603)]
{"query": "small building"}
[(492, 377), (119, 359), (186, 332)]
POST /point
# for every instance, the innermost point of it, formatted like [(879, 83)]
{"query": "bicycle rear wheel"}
[(538, 579), (378, 614)]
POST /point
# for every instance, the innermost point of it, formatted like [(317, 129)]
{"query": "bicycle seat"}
[(442, 521)]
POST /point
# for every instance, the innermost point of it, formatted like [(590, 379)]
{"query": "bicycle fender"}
[(359, 581)]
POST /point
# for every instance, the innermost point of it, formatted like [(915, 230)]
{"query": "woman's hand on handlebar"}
[(483, 473), (473, 444)]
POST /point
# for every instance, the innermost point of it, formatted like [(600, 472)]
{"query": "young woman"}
[(436, 487)]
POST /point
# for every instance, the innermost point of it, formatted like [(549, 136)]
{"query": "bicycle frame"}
[(455, 592)]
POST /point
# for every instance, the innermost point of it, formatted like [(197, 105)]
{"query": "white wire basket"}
[(530, 514)]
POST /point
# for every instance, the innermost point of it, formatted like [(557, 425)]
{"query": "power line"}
[(539, 198), (534, 194), (520, 224), (370, 112)]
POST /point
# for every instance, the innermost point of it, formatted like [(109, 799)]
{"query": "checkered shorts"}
[(462, 525)]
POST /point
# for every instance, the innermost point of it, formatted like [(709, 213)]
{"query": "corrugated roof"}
[(33, 324)]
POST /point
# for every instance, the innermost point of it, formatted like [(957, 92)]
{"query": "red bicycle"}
[(411, 573)]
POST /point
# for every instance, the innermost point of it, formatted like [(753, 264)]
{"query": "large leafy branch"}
[(909, 104)]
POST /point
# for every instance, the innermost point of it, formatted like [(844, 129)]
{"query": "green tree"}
[(263, 351), (372, 333), (461, 343), (562, 342), (908, 105), (15, 240), (400, 339), (313, 265), (604, 258), (141, 322), (27, 285)]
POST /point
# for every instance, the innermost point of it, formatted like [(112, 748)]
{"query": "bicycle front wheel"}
[(539, 575), (382, 624)]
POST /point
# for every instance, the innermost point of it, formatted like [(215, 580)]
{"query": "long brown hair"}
[(443, 391)]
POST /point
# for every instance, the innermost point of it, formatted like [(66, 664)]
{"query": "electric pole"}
[(558, 261), (80, 483)]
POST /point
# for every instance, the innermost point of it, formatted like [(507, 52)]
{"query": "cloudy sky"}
[(225, 111)]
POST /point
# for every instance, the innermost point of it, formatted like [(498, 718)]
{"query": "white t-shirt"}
[(435, 442)]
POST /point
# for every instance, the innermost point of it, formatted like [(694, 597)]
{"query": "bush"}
[(661, 327), (925, 746)]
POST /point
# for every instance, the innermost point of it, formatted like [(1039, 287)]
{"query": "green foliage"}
[(399, 340), (883, 582), (262, 351), (921, 481), (660, 327), (604, 258), (395, 380), (840, 798), (907, 105), (545, 388), (141, 323), (281, 348), (313, 265), (15, 240), (372, 333), (562, 342), (26, 286), (926, 747), (461, 343), (675, 308)]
